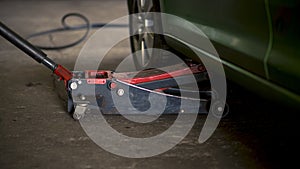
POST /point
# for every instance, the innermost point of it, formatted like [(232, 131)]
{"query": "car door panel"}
[(238, 29), (284, 59)]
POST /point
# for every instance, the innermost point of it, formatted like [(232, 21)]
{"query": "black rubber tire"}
[(145, 40)]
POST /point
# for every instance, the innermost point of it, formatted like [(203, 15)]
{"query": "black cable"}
[(67, 27)]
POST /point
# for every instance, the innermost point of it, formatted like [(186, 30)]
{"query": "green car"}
[(257, 40)]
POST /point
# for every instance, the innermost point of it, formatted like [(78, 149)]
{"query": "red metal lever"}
[(63, 73)]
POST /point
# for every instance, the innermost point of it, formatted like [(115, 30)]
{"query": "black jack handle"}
[(34, 52)]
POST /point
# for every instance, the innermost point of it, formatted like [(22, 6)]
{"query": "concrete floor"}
[(36, 131)]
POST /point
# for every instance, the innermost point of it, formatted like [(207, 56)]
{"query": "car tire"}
[(143, 38)]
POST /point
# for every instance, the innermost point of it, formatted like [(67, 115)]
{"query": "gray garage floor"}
[(36, 131)]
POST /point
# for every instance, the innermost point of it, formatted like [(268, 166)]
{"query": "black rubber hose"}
[(87, 26)]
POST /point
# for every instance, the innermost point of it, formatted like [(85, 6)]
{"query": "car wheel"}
[(142, 26)]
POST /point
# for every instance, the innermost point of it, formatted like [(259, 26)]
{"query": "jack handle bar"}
[(34, 52)]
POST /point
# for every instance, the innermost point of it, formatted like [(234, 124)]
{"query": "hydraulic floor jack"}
[(96, 89)]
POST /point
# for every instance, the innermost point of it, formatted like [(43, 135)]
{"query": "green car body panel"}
[(257, 40), (284, 59)]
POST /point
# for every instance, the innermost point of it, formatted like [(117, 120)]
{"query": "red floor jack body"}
[(96, 89)]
